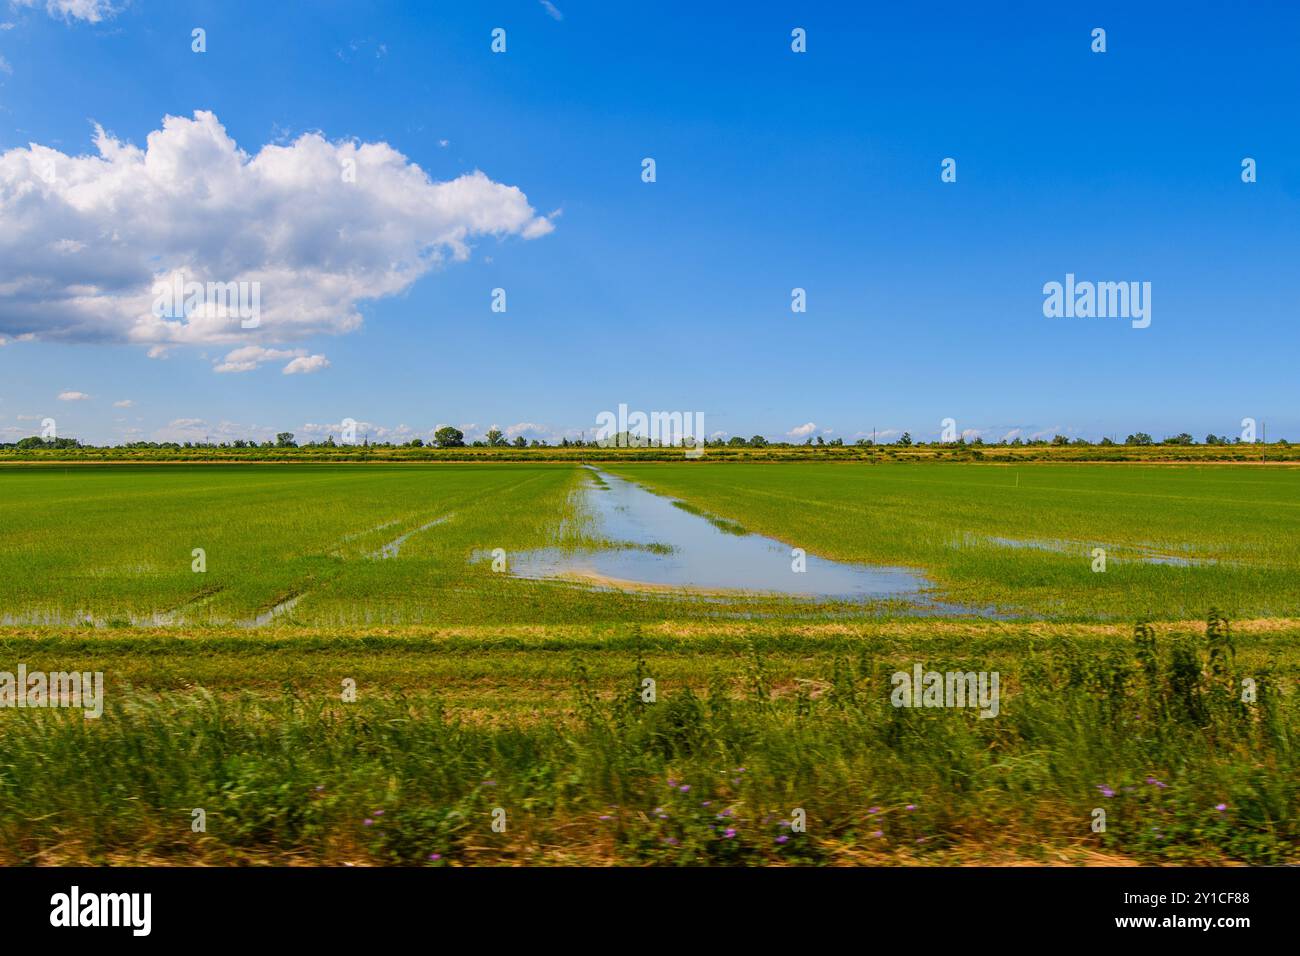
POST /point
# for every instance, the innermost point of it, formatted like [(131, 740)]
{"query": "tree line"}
[(450, 437)]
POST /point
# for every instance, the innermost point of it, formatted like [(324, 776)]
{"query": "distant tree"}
[(1182, 439), (1107, 441), (837, 442), (417, 442), (496, 438), (736, 441), (758, 441), (282, 440), (448, 437), (820, 440), (1141, 438), (520, 441), (906, 439), (1060, 440)]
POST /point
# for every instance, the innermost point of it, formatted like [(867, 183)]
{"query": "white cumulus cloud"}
[(251, 356), (800, 431), (310, 229), (73, 396)]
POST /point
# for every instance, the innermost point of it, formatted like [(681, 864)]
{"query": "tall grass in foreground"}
[(1154, 733)]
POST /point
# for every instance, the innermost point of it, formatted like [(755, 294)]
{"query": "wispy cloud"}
[(306, 364), (91, 11), (552, 11)]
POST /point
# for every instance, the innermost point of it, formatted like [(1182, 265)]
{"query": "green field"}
[(478, 691), (115, 544)]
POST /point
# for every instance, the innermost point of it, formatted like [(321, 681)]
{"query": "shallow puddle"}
[(672, 545), (1141, 553)]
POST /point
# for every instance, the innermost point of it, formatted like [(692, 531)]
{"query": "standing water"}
[(665, 544)]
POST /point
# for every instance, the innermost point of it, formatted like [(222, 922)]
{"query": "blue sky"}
[(775, 170)]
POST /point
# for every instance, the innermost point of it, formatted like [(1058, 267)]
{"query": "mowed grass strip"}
[(742, 732)]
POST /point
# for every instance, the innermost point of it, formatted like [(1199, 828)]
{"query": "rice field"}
[(409, 544)]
